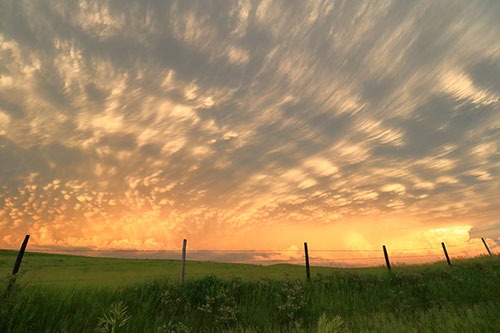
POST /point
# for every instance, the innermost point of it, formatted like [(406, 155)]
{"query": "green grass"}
[(67, 270), (246, 298)]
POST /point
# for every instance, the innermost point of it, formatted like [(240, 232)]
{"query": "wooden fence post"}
[(308, 271), (486, 246), (17, 264), (20, 255), (183, 261), (387, 262), (446, 254)]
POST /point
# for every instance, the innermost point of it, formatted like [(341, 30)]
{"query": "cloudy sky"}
[(249, 124)]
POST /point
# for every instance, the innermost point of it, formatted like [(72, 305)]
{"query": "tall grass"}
[(462, 298)]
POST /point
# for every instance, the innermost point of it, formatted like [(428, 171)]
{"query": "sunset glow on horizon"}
[(253, 125)]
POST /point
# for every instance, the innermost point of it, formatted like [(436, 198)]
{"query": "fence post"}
[(446, 254), (387, 262), (17, 263), (486, 246), (308, 271), (183, 261), (20, 255)]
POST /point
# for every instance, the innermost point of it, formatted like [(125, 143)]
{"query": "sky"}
[(131, 125)]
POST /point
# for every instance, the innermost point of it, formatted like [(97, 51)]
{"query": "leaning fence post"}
[(183, 261), (486, 246), (20, 255), (308, 271), (18, 263), (387, 262), (446, 254)]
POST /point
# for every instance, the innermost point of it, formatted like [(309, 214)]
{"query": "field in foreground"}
[(145, 297)]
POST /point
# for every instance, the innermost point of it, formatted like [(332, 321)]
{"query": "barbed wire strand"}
[(257, 250), (299, 260)]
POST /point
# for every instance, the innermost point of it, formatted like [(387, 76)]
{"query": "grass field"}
[(59, 293), (67, 270)]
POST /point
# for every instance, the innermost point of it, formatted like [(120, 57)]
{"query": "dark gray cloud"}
[(127, 125), (485, 74)]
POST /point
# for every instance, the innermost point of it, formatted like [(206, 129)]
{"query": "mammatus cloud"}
[(134, 125)]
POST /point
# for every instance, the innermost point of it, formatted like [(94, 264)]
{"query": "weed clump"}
[(217, 304), (329, 325), (115, 318), (293, 301)]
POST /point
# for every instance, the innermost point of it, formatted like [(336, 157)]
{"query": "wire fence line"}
[(79, 249), (339, 257), (294, 256), (327, 257)]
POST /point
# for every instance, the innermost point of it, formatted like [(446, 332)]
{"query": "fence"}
[(319, 257)]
